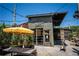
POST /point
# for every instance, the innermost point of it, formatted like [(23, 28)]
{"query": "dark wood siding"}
[(40, 19)]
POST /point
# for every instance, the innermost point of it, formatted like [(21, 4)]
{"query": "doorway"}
[(57, 37), (47, 38), (41, 37)]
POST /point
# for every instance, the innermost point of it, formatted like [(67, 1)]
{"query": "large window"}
[(39, 35)]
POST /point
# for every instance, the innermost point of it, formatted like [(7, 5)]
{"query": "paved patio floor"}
[(55, 51)]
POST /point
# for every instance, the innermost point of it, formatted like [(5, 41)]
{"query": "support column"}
[(51, 34), (51, 38), (36, 38), (43, 37)]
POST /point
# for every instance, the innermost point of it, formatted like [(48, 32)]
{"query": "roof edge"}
[(45, 14)]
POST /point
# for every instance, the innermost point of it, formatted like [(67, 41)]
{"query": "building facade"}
[(43, 27)]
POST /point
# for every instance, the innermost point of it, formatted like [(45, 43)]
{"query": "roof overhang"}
[(45, 14)]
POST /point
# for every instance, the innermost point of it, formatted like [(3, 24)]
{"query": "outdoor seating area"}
[(20, 44), (18, 51)]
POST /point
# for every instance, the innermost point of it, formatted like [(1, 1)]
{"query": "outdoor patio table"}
[(18, 50)]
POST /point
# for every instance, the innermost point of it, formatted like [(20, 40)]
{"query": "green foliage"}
[(4, 37), (74, 28), (28, 38), (74, 32)]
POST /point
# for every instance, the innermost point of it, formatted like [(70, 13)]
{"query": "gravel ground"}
[(55, 51)]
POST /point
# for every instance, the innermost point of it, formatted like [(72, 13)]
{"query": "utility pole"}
[(14, 15)]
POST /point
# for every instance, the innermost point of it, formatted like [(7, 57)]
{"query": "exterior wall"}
[(25, 25), (45, 26), (62, 34), (44, 22), (44, 19), (66, 34)]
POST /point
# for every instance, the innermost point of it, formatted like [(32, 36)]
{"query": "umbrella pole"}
[(19, 41), (23, 42), (12, 38), (32, 39)]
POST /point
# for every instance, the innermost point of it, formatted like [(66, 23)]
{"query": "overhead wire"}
[(11, 11), (23, 15)]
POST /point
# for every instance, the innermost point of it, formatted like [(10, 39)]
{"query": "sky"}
[(38, 8)]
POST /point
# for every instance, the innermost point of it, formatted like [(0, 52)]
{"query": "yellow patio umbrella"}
[(18, 30)]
